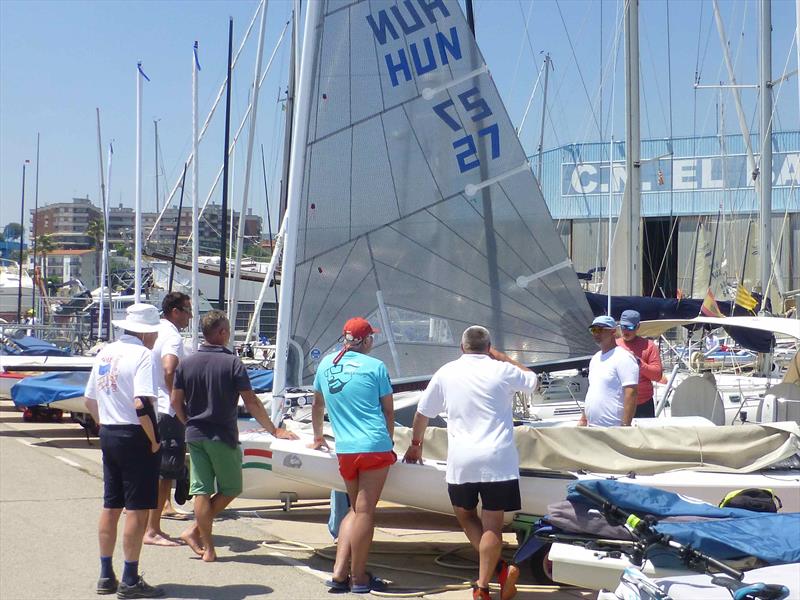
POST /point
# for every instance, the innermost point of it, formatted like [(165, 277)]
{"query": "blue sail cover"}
[(652, 309), (26, 345), (44, 389), (260, 379), (725, 533)]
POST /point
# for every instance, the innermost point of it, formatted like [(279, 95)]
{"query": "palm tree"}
[(95, 231), (44, 245)]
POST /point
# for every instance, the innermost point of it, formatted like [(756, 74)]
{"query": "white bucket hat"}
[(139, 318)]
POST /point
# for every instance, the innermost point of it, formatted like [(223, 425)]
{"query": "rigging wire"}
[(578, 66), (522, 47)]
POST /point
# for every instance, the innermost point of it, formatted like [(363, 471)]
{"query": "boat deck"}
[(51, 493)]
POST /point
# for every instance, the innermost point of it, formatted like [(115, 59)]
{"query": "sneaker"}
[(107, 585), (479, 593), (507, 575), (139, 590)]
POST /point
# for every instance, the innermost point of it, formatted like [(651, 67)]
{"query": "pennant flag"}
[(710, 307), (745, 299)]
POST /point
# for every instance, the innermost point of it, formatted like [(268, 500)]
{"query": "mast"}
[(287, 136), (101, 311), (223, 242), (177, 230), (765, 172), (248, 165), (297, 162), (33, 229), (195, 196), (544, 112), (21, 238), (632, 195), (155, 124), (107, 271), (137, 209)]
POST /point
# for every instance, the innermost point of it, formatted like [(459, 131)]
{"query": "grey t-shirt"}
[(211, 379)]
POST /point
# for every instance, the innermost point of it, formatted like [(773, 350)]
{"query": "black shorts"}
[(645, 410), (494, 495), (130, 468), (173, 447)]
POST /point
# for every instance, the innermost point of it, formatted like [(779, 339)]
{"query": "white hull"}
[(424, 487), (260, 478)]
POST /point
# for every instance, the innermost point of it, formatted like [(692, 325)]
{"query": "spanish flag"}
[(709, 307), (745, 299)]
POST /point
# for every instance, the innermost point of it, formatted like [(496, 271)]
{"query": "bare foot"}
[(192, 538), (210, 555), (159, 539)]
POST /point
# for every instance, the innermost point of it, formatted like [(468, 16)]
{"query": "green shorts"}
[(213, 460)]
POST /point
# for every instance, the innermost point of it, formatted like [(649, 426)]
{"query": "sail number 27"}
[(478, 110)]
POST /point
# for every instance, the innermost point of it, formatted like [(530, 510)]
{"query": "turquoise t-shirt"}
[(352, 389)]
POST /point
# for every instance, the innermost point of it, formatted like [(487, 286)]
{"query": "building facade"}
[(699, 210)]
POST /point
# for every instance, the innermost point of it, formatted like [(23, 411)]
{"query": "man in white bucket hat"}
[(120, 396)]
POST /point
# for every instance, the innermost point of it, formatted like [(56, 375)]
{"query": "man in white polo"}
[(120, 395), (613, 378), (176, 311), (476, 392)]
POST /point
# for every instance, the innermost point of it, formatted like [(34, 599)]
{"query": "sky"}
[(61, 60)]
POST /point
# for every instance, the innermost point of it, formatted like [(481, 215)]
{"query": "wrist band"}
[(416, 442), (141, 412)]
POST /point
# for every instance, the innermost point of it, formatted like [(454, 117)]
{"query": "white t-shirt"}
[(122, 371), (169, 341), (476, 392), (609, 373)]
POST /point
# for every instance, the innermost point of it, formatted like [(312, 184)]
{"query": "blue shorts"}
[(130, 468), (494, 495)]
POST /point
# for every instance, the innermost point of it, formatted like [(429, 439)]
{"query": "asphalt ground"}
[(51, 494)]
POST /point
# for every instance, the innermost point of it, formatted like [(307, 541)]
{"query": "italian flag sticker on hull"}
[(254, 458)]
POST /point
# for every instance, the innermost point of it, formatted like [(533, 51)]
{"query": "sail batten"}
[(404, 121)]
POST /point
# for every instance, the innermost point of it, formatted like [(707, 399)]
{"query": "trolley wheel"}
[(541, 566)]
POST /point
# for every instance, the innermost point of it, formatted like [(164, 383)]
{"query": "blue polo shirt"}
[(352, 389)]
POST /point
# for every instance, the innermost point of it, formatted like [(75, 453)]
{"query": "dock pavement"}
[(51, 494)]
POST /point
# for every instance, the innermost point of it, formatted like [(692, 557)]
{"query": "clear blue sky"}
[(59, 60)]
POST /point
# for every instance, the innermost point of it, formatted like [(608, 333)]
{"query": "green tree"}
[(44, 246), (12, 231), (122, 250), (95, 231)]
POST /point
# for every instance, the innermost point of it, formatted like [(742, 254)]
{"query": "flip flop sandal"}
[(376, 584), (338, 586)]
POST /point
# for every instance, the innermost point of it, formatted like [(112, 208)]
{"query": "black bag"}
[(755, 499)]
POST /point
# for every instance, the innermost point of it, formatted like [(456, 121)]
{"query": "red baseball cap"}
[(357, 328)]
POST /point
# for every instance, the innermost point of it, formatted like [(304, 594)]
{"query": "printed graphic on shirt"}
[(107, 375), (340, 375)]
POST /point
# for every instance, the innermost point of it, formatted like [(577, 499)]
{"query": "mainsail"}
[(418, 208)]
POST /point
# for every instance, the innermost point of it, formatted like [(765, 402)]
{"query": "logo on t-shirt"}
[(337, 378), (107, 372)]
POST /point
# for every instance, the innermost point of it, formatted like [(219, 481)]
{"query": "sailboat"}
[(411, 203)]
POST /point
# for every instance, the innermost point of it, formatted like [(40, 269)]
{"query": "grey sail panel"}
[(418, 208)]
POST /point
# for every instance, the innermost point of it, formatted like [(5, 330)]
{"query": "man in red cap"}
[(357, 392)]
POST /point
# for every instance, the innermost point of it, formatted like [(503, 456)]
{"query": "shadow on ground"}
[(221, 592)]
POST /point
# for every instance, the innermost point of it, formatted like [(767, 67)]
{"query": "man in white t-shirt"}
[(120, 395), (613, 379), (476, 392), (176, 310)]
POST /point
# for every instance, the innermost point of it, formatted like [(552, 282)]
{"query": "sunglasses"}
[(185, 309), (598, 329), (629, 327)]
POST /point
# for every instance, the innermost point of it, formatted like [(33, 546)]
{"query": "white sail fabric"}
[(418, 209)]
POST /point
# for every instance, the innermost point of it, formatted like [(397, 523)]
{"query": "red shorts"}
[(350, 465)]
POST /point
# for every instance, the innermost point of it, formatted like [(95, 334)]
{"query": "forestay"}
[(418, 209)]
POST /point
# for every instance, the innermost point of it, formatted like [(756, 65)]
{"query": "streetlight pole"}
[(21, 238)]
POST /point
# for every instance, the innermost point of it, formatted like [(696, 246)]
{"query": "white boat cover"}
[(699, 587), (645, 451), (780, 325)]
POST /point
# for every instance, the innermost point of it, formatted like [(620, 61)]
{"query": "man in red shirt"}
[(647, 355)]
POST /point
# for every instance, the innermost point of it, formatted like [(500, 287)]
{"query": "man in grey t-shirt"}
[(205, 396)]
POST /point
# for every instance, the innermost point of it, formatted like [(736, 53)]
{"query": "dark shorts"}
[(173, 447), (130, 468), (350, 465), (494, 495), (645, 410)]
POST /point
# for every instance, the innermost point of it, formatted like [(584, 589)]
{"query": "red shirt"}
[(649, 365)]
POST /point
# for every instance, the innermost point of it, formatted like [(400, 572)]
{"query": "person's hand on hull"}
[(319, 443), (285, 434), (414, 454)]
